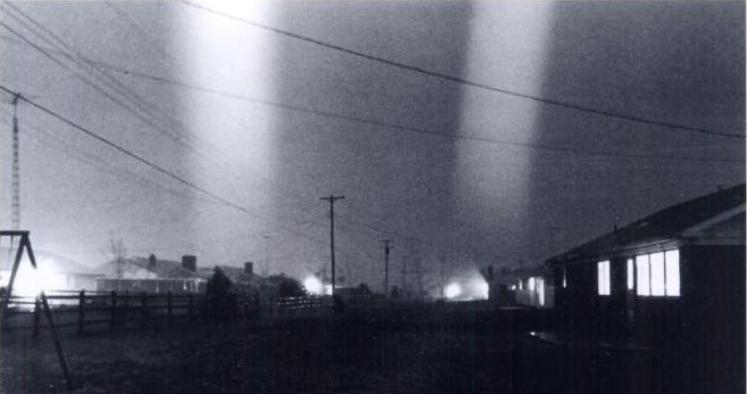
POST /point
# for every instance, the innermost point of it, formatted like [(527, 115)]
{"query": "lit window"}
[(521, 285), (631, 275), (565, 282), (658, 274), (641, 267), (672, 259), (603, 277), (541, 291), (656, 261), (530, 284)]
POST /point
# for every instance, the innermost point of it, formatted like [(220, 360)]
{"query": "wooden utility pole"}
[(332, 200), (387, 249)]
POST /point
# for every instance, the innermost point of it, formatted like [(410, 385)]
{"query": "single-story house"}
[(151, 275), (673, 280)]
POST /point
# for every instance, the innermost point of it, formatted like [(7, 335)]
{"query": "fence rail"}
[(85, 309)]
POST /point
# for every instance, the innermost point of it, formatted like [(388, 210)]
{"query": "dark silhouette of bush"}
[(218, 284), (289, 287), (220, 301)]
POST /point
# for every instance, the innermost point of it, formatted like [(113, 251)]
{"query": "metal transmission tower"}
[(387, 249), (332, 200), (16, 176)]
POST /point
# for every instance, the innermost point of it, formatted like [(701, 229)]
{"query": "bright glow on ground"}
[(30, 282), (469, 287), (452, 290), (313, 285)]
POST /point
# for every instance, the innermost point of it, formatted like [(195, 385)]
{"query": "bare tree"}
[(117, 251)]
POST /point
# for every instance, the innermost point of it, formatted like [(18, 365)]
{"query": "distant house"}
[(150, 275), (675, 278), (529, 286), (535, 287)]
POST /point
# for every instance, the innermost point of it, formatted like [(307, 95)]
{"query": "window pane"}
[(657, 273), (631, 276), (541, 291), (603, 278), (641, 267), (672, 258)]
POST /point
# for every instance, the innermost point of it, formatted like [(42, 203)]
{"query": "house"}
[(528, 286), (243, 279), (151, 275), (674, 280), (534, 287)]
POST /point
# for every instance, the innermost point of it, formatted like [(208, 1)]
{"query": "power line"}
[(394, 126), (463, 81), (384, 124), (122, 150), (150, 164), (130, 98)]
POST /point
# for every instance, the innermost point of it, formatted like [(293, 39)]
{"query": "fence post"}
[(168, 305), (144, 308), (37, 311), (113, 308), (81, 310)]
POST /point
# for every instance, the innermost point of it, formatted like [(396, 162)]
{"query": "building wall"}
[(713, 313), (175, 286), (707, 322)]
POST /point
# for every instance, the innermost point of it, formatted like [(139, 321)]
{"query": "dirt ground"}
[(330, 355)]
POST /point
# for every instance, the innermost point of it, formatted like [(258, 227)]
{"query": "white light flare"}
[(470, 288), (452, 291), (31, 282), (313, 285), (507, 48), (234, 138)]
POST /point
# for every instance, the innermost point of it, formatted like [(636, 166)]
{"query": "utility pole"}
[(387, 249), (332, 200), (16, 169)]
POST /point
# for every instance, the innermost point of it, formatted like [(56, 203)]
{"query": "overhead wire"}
[(459, 80)]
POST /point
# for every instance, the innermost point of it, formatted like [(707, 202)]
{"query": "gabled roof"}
[(161, 269), (237, 275), (668, 224)]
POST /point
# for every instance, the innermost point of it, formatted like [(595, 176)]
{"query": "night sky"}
[(453, 173)]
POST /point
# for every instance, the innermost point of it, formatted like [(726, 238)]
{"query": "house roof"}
[(667, 224), (237, 275), (161, 268)]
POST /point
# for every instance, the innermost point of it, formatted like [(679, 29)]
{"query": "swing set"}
[(24, 247)]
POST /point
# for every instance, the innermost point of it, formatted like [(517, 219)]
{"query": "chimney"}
[(189, 262), (249, 268), (151, 261)]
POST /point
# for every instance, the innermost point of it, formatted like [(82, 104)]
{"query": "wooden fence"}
[(86, 310)]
